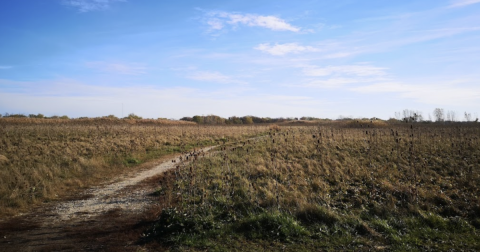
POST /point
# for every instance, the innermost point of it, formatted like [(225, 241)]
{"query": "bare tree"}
[(407, 115), (410, 115), (439, 115), (451, 116), (418, 116), (398, 116), (468, 117)]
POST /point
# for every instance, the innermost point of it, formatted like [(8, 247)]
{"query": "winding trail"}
[(113, 196), (103, 220)]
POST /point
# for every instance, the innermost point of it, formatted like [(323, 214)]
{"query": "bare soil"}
[(110, 217)]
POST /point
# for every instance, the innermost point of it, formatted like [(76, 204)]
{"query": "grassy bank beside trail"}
[(41, 160), (401, 188)]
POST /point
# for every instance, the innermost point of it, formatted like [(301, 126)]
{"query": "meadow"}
[(339, 186), (303, 186), (46, 159)]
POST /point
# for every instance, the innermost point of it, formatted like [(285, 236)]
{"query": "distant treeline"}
[(209, 119), (41, 116), (40, 119), (214, 119), (33, 116)]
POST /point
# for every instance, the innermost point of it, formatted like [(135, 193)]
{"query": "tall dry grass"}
[(399, 186), (43, 159)]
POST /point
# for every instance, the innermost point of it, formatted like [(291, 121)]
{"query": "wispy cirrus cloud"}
[(117, 68), (355, 70), (218, 20), (5, 67), (438, 93), (212, 77), (90, 5), (462, 3), (282, 49), (368, 79), (334, 82), (342, 75)]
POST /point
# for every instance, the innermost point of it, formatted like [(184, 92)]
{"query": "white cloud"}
[(462, 3), (396, 32), (90, 5), (89, 99), (5, 67), (117, 68), (70, 87), (333, 82), (212, 77), (438, 93), (218, 20), (342, 75), (339, 55), (282, 49), (215, 24), (355, 70)]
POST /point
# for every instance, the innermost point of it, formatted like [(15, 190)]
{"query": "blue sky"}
[(263, 58)]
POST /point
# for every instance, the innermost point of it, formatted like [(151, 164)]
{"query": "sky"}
[(170, 59)]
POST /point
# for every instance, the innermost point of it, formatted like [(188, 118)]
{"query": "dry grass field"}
[(350, 185), (345, 186), (44, 159)]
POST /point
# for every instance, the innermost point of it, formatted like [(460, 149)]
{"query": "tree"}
[(439, 115), (248, 120), (198, 119), (235, 120), (398, 116), (111, 117), (15, 115), (451, 116), (409, 116), (213, 119), (186, 118), (468, 117), (133, 116)]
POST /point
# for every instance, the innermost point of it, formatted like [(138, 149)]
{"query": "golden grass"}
[(43, 159), (359, 180)]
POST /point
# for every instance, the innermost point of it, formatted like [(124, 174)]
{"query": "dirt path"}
[(106, 218)]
